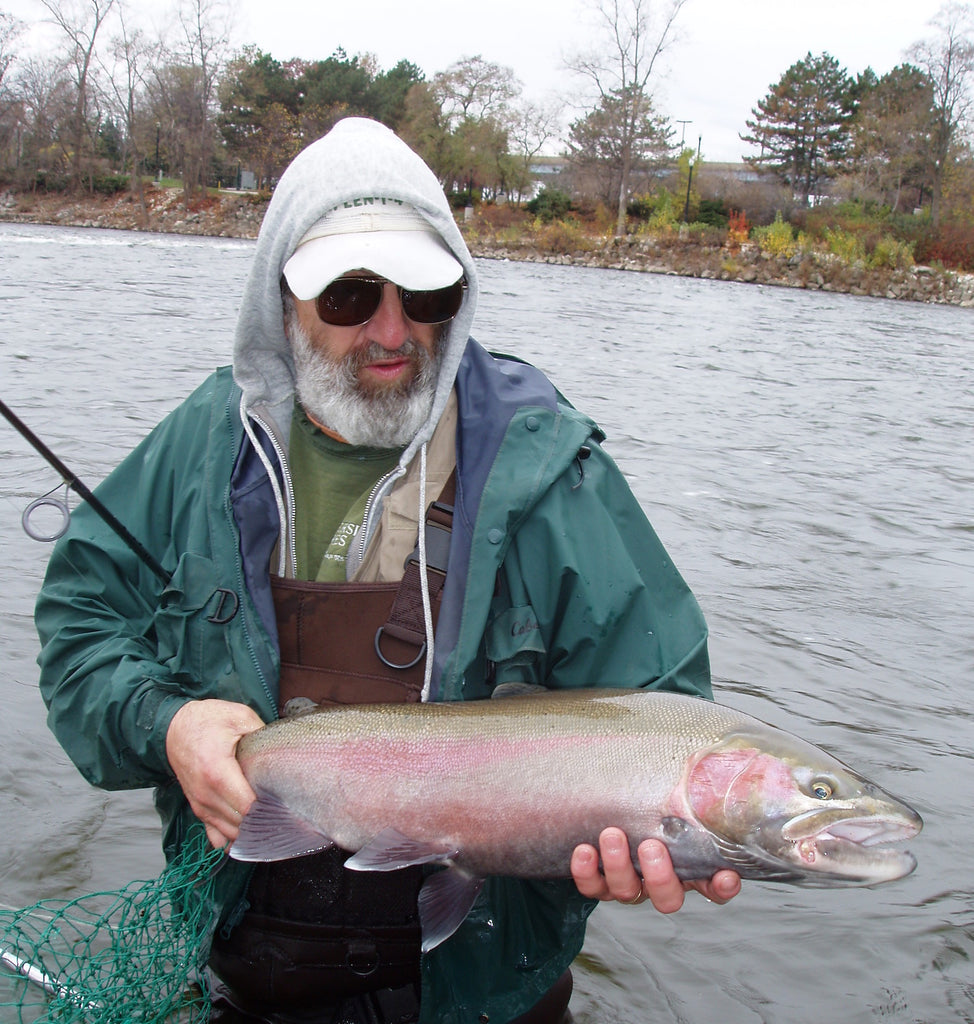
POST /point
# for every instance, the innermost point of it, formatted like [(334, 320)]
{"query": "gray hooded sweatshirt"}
[(358, 158)]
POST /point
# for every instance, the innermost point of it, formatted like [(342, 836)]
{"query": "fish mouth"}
[(862, 830), (830, 847)]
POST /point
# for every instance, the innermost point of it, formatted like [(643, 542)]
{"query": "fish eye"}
[(822, 789)]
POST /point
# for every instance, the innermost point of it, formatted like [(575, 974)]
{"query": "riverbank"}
[(239, 214)]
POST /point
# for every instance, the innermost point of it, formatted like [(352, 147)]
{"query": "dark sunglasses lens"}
[(349, 302), (433, 307)]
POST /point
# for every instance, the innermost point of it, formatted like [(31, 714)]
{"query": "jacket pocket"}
[(514, 644), (192, 623)]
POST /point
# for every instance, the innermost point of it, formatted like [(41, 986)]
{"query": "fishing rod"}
[(72, 481)]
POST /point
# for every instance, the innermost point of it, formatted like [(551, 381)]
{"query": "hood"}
[(358, 158)]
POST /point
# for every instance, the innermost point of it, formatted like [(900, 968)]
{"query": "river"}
[(805, 457)]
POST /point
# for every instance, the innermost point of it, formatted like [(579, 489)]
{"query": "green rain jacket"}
[(555, 576)]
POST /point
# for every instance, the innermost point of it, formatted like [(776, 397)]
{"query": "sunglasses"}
[(353, 301)]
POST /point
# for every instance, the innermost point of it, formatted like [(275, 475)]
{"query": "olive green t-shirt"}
[(332, 483)]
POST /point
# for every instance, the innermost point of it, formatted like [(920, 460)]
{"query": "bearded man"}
[(285, 496)]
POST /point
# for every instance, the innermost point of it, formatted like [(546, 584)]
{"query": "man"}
[(362, 430)]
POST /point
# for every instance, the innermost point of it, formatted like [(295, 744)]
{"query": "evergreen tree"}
[(802, 126), (609, 147)]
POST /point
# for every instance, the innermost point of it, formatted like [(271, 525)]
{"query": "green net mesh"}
[(133, 955)]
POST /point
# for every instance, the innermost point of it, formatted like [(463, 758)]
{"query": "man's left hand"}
[(617, 878)]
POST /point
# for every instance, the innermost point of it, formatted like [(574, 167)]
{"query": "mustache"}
[(373, 352)]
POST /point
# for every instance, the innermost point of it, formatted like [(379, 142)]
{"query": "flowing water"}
[(807, 459)]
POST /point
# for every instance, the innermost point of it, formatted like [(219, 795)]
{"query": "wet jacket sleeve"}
[(117, 658)]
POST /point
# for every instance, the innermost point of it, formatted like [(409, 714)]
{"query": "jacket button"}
[(532, 423), (495, 536)]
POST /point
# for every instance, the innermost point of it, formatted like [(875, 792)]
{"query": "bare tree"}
[(10, 29), (636, 33), (81, 21), (532, 127), (10, 121), (474, 89), (188, 87), (948, 60), (46, 107), (131, 52)]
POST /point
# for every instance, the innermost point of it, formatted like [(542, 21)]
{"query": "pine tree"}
[(803, 125)]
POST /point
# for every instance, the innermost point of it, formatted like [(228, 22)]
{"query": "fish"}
[(511, 786)]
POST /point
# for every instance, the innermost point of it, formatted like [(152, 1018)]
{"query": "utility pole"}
[(683, 135)]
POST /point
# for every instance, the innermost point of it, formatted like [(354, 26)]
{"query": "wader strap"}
[(407, 622), (329, 633)]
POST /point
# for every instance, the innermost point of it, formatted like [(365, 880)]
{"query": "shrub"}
[(951, 245), (550, 204), (892, 254), (846, 245), (107, 184), (714, 213), (641, 207), (776, 239), (738, 228), (561, 236)]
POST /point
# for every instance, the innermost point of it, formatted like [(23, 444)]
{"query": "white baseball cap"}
[(385, 236)]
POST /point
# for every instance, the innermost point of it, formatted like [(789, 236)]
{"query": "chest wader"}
[(319, 942)]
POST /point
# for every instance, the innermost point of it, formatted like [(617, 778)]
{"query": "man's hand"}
[(201, 745), (618, 880)]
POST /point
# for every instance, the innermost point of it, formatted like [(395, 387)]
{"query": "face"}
[(372, 384)]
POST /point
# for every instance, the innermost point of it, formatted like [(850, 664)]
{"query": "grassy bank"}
[(837, 261)]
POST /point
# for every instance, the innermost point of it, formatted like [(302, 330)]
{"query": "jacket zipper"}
[(364, 532), (286, 513)]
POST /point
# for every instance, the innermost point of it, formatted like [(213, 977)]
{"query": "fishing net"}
[(133, 955)]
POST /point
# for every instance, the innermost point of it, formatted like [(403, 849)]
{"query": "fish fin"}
[(444, 902), (270, 831), (391, 850)]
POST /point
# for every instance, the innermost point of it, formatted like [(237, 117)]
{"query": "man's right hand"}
[(201, 745)]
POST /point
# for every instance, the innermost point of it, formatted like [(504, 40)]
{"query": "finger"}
[(720, 889), (620, 874), (659, 879), (586, 873), (216, 837), (227, 801)]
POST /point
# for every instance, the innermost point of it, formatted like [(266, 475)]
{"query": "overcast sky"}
[(727, 55)]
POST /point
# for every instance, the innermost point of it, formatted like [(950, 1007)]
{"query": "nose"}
[(389, 325)]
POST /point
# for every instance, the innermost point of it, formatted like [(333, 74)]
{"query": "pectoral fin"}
[(272, 832)]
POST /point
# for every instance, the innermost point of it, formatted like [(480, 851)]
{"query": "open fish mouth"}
[(869, 831), (862, 830), (857, 850)]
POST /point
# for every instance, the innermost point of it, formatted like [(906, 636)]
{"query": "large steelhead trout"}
[(511, 786)]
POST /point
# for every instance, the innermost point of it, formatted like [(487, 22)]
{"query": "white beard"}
[(333, 395)]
